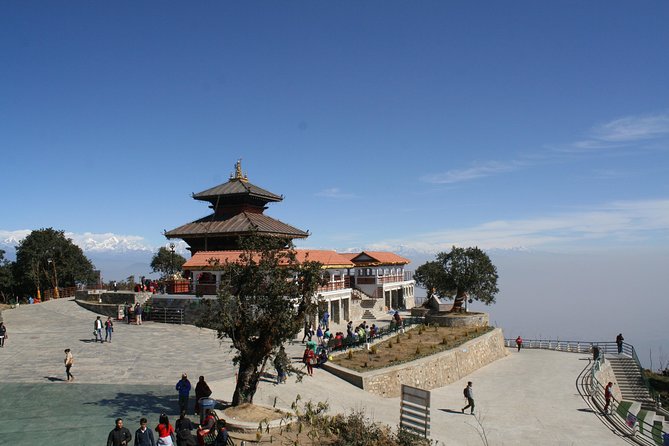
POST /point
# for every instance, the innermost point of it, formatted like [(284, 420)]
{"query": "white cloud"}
[(334, 192), (621, 222), (483, 170), (623, 132)]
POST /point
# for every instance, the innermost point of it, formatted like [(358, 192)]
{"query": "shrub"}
[(349, 355)]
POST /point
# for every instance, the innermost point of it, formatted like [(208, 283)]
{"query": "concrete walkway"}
[(527, 398)]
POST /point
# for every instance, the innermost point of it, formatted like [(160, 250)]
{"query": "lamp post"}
[(172, 246)]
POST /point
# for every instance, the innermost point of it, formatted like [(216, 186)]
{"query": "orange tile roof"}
[(380, 258), (329, 259)]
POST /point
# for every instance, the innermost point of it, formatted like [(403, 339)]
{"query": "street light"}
[(172, 246)]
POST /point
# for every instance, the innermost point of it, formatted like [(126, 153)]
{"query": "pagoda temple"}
[(238, 209)]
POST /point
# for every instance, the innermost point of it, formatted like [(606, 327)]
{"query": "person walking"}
[(143, 435), (119, 436), (469, 395), (128, 307), (183, 387), (281, 363), (165, 431), (69, 362), (619, 341), (97, 330), (202, 390), (519, 342), (3, 334), (309, 358), (109, 329), (325, 321), (608, 395)]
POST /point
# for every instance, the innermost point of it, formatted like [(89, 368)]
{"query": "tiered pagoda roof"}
[(238, 209)]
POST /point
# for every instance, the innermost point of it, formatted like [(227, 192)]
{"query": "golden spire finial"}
[(238, 175)]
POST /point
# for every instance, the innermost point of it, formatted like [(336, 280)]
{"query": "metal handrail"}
[(605, 347), (597, 392)]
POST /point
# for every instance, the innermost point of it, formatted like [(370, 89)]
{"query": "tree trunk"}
[(460, 297), (247, 383)]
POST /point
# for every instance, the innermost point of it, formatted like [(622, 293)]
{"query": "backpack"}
[(466, 392)]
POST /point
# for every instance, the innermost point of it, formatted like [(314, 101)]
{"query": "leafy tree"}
[(428, 275), (467, 272), (261, 304), (6, 277), (166, 262), (46, 258)]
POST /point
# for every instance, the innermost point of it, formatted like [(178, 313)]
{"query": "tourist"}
[(3, 334), (97, 330), (202, 390), (398, 319), (619, 341), (309, 358), (128, 307), (311, 344), (183, 428), (373, 330), (608, 394), (69, 362), (165, 431), (308, 331), (183, 387), (469, 395), (519, 342), (206, 426), (138, 314), (119, 436), (221, 434), (319, 334), (143, 435), (339, 339), (109, 329), (281, 363), (325, 321)]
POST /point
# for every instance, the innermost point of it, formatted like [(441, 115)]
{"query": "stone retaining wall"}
[(606, 375), (458, 319), (431, 372)]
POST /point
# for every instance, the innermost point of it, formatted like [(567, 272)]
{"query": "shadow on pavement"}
[(146, 403), (54, 379), (459, 412)]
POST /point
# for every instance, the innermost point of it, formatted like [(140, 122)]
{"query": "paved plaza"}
[(527, 398)]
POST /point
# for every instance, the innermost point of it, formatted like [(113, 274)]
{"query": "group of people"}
[(97, 329), (137, 310), (184, 387), (167, 435)]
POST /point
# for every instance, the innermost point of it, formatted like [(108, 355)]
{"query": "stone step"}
[(368, 315)]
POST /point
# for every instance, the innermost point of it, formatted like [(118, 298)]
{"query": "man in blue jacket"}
[(183, 386)]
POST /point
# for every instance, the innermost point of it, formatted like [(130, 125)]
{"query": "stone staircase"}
[(368, 305), (629, 379)]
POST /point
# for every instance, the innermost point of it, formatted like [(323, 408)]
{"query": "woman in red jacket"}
[(309, 358)]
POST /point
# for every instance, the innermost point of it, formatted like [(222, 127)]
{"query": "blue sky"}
[(408, 126)]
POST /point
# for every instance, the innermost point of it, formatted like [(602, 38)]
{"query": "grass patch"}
[(416, 343)]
